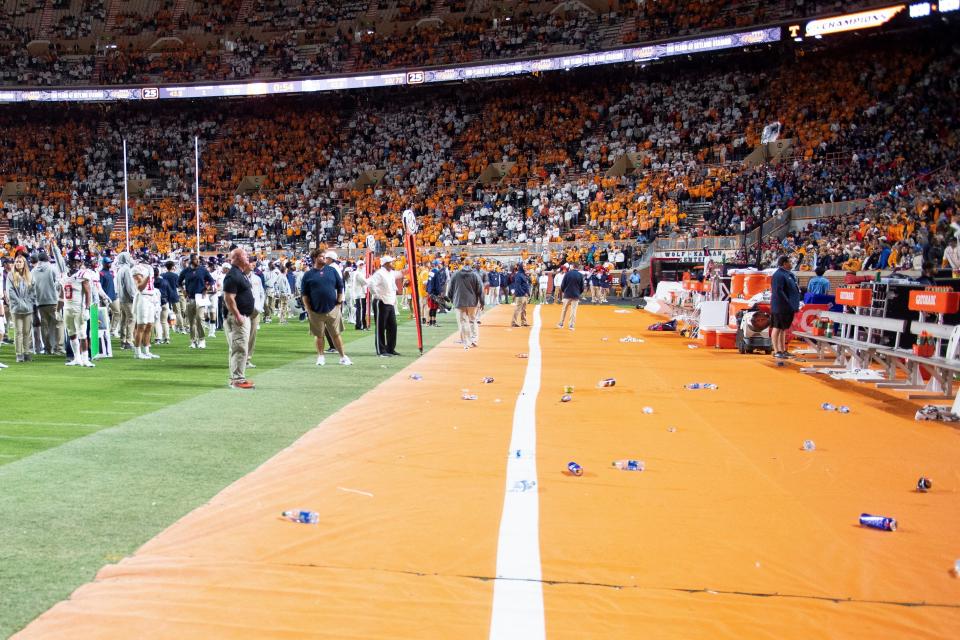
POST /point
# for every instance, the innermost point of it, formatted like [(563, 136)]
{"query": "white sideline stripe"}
[(517, 591), (32, 423)]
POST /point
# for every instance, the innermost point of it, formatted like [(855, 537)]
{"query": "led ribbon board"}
[(397, 78)]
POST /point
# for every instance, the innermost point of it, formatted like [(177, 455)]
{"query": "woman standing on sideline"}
[(21, 300)]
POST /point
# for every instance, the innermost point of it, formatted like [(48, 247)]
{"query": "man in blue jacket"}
[(437, 290), (172, 280), (571, 289), (521, 293), (107, 284), (784, 303), (195, 279)]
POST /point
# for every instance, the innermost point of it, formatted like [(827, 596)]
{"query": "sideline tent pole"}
[(126, 198), (196, 183)]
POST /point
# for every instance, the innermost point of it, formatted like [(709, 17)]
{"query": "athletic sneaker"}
[(193, 344), (571, 327), (250, 365), (560, 325), (2, 366), (242, 384), (202, 344), (321, 360), (88, 364), (330, 350), (346, 361), (152, 356), (74, 363)]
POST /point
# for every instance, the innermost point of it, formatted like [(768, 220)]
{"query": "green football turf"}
[(93, 463)]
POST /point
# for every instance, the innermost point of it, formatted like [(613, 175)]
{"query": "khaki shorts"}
[(329, 321), (75, 323)]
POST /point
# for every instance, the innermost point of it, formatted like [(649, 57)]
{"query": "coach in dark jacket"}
[(521, 293), (571, 288), (784, 303)]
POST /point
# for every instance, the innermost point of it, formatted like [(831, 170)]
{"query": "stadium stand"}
[(517, 161), (143, 41)]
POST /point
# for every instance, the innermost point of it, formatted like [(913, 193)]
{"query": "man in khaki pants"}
[(195, 280), (521, 293), (466, 294), (571, 289), (238, 298)]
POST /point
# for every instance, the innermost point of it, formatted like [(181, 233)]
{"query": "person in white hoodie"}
[(259, 304), (357, 292), (281, 292), (126, 291), (269, 289)]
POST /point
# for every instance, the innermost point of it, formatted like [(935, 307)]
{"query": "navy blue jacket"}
[(171, 279), (166, 291), (521, 284), (572, 285), (195, 281), (438, 283), (784, 292), (106, 282)]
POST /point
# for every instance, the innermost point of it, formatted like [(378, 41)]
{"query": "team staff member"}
[(260, 301), (521, 293), (107, 284), (126, 291), (322, 294), (162, 328), (784, 303), (46, 289), (174, 298), (571, 288), (195, 280), (238, 298), (383, 289), (466, 294)]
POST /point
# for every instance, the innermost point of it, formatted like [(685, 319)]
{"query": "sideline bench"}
[(860, 340), (942, 367)]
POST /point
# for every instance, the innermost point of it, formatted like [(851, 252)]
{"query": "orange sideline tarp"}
[(733, 531)]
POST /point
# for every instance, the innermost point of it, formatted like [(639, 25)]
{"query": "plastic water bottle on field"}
[(826, 406), (629, 465), (808, 445), (303, 517)]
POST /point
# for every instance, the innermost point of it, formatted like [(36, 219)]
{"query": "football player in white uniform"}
[(145, 305), (77, 298)]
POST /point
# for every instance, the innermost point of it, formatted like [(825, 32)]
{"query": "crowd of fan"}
[(903, 229), (319, 36), (561, 136)]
